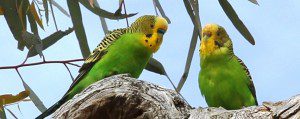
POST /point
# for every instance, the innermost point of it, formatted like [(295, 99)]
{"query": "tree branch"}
[(122, 97)]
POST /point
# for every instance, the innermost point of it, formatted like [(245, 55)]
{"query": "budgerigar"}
[(125, 50), (224, 79)]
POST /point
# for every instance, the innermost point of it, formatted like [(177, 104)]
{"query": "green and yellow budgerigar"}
[(224, 79), (125, 50)]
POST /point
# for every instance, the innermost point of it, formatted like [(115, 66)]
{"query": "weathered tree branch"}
[(122, 97)]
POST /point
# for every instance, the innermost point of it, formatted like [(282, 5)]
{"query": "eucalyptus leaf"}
[(33, 42), (189, 59), (13, 21), (195, 19), (103, 13), (239, 25), (19, 109), (35, 99), (195, 6), (60, 8), (158, 5), (156, 67), (76, 17), (35, 15), (45, 5), (119, 10), (254, 2), (102, 20), (33, 25), (193, 11), (50, 40), (53, 16), (11, 113), (154, 5), (22, 9), (91, 2), (104, 25), (2, 113)]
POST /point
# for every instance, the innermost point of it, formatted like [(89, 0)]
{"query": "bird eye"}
[(151, 25), (148, 35), (208, 34), (161, 31), (218, 44), (219, 34)]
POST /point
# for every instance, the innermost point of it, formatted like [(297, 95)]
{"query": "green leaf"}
[(102, 20), (22, 9), (104, 25), (2, 113), (35, 15), (75, 12), (50, 40), (35, 99), (13, 21), (7, 99), (60, 8), (33, 42), (189, 59), (239, 25), (119, 10), (11, 113), (19, 109), (100, 12), (156, 67), (53, 16), (33, 25), (254, 2), (45, 5), (1, 11), (91, 2), (120, 2), (194, 16), (193, 11), (158, 5)]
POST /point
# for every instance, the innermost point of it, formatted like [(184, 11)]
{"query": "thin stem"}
[(50, 1), (73, 64), (36, 4), (19, 74), (125, 12), (39, 63), (69, 71), (154, 4), (25, 60)]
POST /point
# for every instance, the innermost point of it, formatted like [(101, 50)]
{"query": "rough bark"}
[(122, 97)]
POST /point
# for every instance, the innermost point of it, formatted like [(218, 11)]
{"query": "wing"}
[(251, 85), (100, 50), (97, 54)]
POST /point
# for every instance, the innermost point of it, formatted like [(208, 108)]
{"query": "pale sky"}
[(273, 62)]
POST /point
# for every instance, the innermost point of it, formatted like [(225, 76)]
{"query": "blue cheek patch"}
[(161, 31)]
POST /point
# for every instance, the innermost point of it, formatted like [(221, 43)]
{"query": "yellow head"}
[(214, 40), (153, 27)]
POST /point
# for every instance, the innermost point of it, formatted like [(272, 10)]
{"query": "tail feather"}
[(52, 109)]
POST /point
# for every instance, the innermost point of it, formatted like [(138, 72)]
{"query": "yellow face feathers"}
[(214, 39), (154, 29), (161, 23)]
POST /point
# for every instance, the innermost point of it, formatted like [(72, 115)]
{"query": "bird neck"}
[(217, 57)]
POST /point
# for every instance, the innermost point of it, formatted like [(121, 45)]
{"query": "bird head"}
[(214, 40), (153, 28)]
